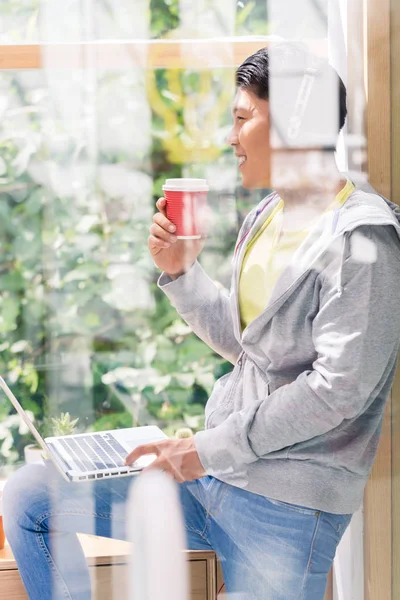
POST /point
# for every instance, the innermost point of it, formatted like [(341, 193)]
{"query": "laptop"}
[(87, 456)]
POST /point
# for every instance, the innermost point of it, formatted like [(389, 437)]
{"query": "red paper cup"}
[(186, 200)]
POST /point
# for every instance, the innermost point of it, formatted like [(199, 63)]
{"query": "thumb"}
[(161, 205)]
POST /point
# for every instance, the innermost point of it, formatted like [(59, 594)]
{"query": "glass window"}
[(111, 99)]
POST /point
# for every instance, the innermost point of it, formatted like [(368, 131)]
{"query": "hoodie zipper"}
[(239, 364)]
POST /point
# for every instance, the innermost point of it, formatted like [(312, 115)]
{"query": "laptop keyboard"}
[(95, 451)]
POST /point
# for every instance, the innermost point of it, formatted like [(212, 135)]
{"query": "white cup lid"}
[(186, 184)]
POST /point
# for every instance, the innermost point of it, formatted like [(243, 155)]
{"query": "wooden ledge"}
[(101, 551), (152, 54)]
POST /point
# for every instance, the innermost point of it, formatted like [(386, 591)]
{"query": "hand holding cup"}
[(176, 245)]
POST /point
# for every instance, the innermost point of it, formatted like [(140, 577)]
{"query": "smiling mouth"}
[(242, 160)]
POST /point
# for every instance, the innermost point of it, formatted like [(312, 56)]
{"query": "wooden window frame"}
[(153, 54), (199, 53)]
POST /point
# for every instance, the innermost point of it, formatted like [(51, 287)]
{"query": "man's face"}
[(250, 138)]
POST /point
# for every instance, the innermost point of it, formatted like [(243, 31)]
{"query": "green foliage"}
[(83, 326), (164, 15), (252, 17), (72, 339)]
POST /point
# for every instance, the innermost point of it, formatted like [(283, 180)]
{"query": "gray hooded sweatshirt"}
[(299, 417)]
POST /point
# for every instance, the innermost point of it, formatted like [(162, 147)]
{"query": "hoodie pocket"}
[(221, 397), (264, 378)]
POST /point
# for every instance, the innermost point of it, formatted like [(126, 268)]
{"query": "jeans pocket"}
[(339, 522), (294, 507)]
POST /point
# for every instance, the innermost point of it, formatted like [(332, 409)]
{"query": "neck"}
[(306, 178)]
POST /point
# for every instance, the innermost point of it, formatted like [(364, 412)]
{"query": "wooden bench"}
[(108, 560)]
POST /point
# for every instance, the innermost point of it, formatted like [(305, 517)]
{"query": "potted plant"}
[(183, 432), (63, 425)]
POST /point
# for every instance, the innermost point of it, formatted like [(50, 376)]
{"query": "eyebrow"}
[(239, 107)]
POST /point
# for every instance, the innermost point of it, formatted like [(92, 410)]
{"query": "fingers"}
[(142, 451), (154, 242), (161, 229), (161, 205), (161, 220)]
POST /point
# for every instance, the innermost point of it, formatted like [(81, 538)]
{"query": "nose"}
[(232, 138)]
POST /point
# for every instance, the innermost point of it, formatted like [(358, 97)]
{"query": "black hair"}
[(255, 72)]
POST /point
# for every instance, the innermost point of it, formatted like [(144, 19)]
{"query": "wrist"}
[(179, 273), (174, 276)]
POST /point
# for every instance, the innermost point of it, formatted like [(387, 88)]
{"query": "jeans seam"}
[(44, 548), (310, 556), (210, 514), (48, 556), (197, 532), (207, 516), (82, 513)]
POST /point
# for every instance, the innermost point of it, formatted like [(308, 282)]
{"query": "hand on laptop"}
[(177, 457)]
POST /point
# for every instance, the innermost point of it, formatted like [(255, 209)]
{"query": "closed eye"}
[(240, 119)]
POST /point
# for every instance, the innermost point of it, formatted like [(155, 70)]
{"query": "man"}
[(292, 431)]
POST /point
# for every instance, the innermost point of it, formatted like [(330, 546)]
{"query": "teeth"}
[(242, 159)]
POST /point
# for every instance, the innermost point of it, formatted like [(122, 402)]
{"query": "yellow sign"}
[(192, 119)]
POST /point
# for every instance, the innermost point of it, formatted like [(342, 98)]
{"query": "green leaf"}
[(32, 406), (205, 380), (34, 202), (13, 282), (84, 272), (9, 311), (185, 380), (243, 14), (92, 319), (113, 421), (49, 236)]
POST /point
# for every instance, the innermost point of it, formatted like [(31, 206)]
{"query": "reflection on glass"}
[(282, 380)]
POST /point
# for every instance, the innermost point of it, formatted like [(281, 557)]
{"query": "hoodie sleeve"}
[(356, 334), (205, 308)]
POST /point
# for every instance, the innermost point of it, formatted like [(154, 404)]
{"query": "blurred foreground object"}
[(156, 529)]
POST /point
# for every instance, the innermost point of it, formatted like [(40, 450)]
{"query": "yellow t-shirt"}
[(267, 256)]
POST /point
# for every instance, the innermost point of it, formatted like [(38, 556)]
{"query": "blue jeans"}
[(269, 550)]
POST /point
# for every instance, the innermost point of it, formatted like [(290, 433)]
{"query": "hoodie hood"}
[(363, 185), (395, 208), (364, 207)]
